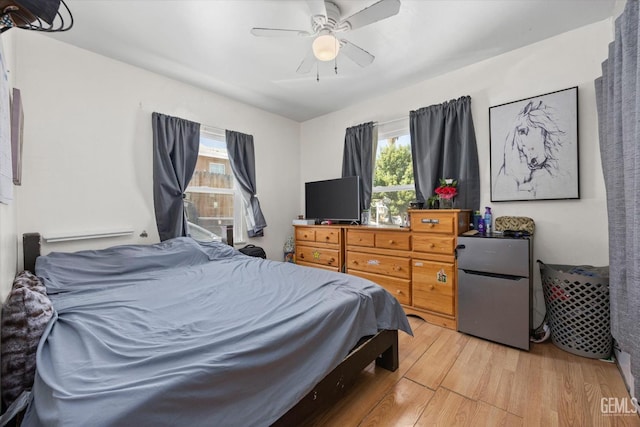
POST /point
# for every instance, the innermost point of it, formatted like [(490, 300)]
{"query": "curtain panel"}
[(359, 157), (618, 106), (243, 164), (443, 145), (175, 152)]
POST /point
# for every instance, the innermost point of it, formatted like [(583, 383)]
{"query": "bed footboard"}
[(382, 347)]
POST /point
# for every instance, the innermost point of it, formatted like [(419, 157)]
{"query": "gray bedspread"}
[(189, 334)]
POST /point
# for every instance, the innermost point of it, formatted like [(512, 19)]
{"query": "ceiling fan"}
[(327, 24)]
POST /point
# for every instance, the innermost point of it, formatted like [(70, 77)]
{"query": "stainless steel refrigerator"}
[(495, 277)]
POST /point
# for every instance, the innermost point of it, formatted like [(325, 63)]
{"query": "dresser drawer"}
[(433, 286), (401, 241), (399, 288), (379, 264), (320, 266), (360, 238), (328, 235), (434, 244), (433, 222), (322, 256), (306, 234)]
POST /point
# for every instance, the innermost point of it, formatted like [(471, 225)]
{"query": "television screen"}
[(333, 199)]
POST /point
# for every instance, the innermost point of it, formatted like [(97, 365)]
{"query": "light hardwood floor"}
[(450, 379)]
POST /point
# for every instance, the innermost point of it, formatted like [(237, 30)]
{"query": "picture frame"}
[(534, 148), (17, 126)]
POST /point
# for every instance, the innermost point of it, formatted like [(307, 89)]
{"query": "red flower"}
[(447, 189)]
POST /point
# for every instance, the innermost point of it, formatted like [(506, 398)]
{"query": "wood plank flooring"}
[(450, 379)]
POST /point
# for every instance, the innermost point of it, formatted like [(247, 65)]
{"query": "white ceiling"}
[(207, 43)]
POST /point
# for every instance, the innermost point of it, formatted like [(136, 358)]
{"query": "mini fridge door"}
[(494, 255), (494, 307)]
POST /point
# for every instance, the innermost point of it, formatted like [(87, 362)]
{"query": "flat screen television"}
[(333, 199)]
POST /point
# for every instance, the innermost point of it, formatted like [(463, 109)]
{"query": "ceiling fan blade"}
[(307, 63), (355, 53), (376, 12), (278, 32)]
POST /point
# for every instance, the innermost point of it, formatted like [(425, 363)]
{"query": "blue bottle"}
[(487, 220), (477, 219)]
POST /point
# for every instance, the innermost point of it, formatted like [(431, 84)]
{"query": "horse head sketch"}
[(531, 147)]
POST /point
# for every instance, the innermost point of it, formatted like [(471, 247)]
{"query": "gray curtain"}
[(358, 158), (618, 105), (175, 153), (443, 145), (243, 164)]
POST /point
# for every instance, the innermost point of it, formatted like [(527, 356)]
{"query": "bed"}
[(188, 333)]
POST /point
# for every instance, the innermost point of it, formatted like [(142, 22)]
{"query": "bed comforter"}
[(182, 333)]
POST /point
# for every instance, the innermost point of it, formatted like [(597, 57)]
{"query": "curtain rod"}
[(206, 128)]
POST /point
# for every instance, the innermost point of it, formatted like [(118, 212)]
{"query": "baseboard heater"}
[(69, 237)]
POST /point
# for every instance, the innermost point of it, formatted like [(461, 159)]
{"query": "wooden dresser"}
[(416, 265), (433, 263), (380, 255), (320, 246)]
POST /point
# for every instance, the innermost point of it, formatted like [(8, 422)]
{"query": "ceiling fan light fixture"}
[(326, 47)]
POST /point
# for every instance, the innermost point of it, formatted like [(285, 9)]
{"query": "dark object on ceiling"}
[(36, 15)]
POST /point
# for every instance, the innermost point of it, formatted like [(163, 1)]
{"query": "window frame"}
[(218, 165), (392, 129), (239, 222)]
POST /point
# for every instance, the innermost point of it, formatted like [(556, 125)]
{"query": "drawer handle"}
[(397, 268), (354, 262), (331, 260), (432, 245), (327, 237), (432, 287), (391, 242), (430, 221), (399, 292), (301, 256)]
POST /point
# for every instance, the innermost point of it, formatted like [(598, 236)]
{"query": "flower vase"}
[(446, 203)]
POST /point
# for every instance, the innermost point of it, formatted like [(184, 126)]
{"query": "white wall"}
[(87, 152), (88, 145), (8, 213), (571, 232)]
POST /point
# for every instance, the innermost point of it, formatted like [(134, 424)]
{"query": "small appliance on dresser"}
[(495, 282)]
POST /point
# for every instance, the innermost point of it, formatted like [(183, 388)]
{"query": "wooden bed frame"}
[(382, 347)]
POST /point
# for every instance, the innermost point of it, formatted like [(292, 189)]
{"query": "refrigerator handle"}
[(493, 275), (457, 248)]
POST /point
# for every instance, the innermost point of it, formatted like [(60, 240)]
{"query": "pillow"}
[(25, 315), (218, 250), (65, 271)]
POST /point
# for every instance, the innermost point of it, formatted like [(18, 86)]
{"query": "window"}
[(213, 201), (393, 184), (216, 167)]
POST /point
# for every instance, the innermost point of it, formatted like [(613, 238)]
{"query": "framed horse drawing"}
[(534, 148)]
